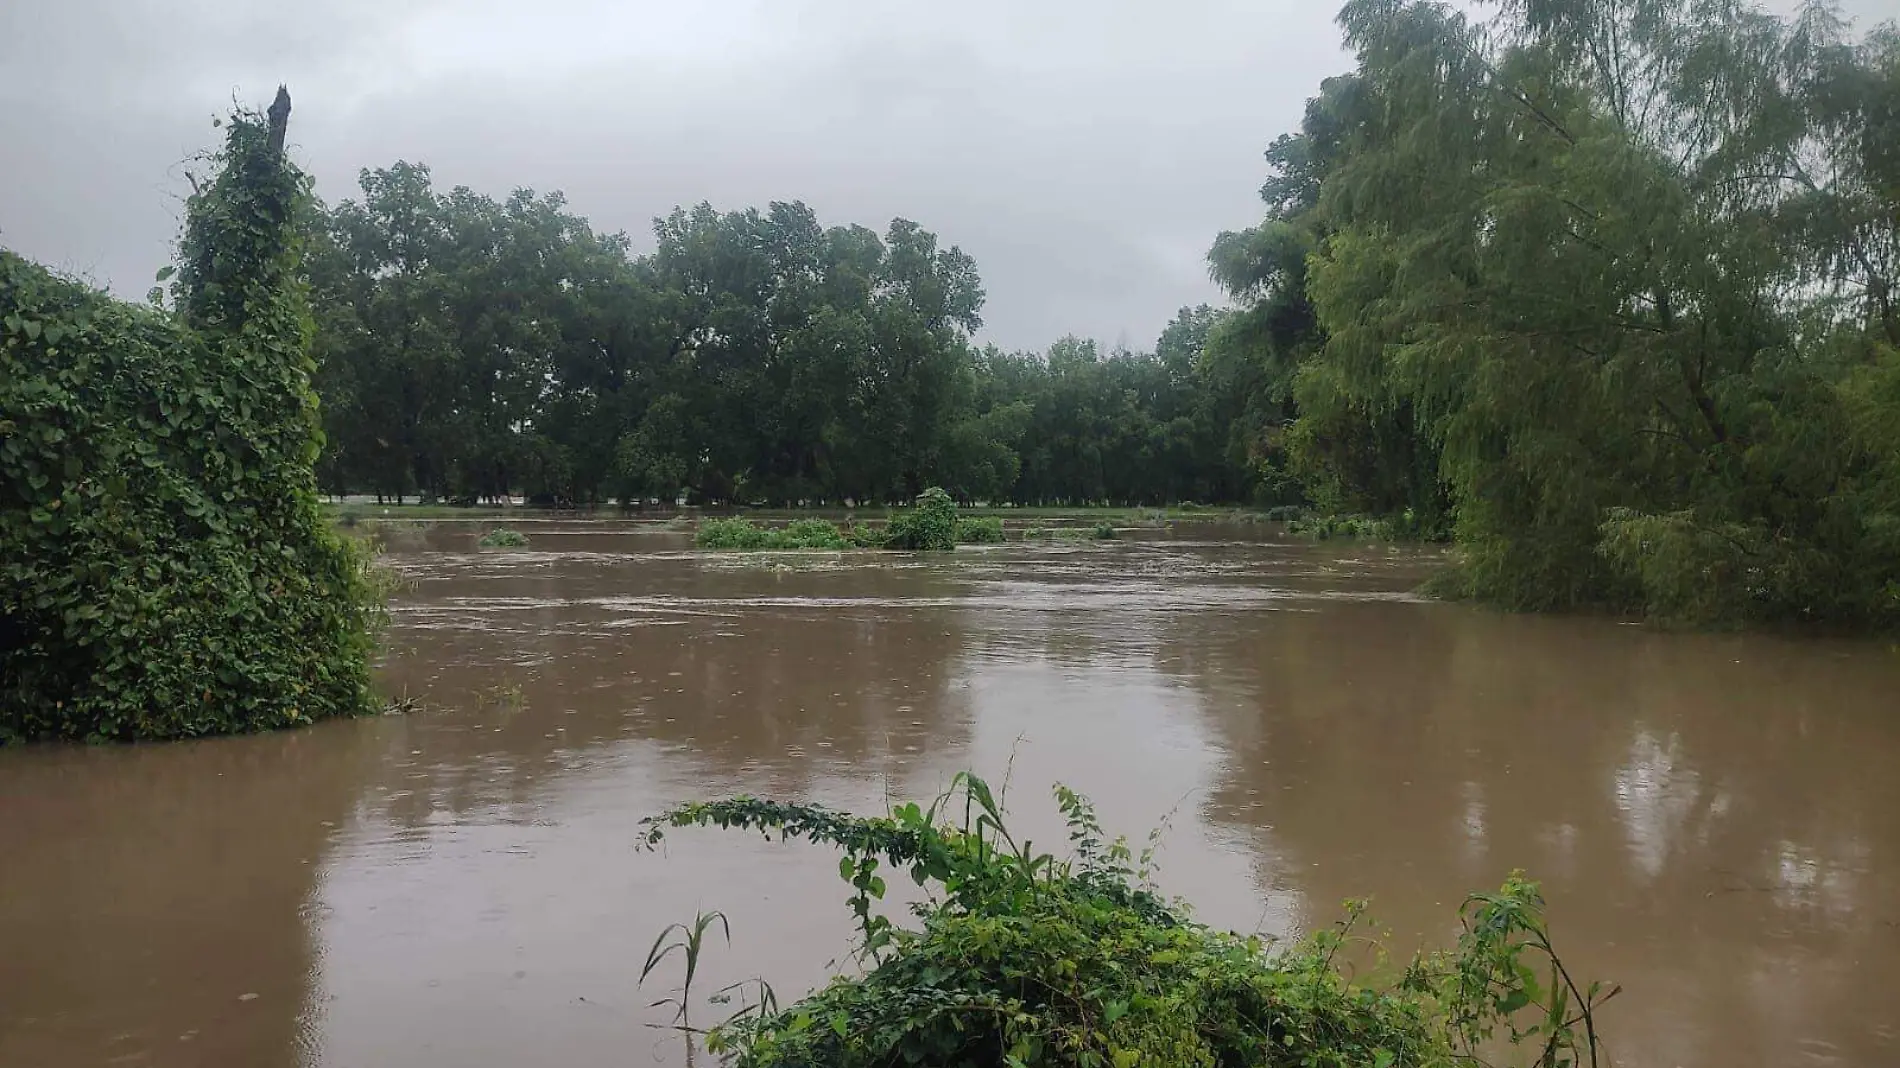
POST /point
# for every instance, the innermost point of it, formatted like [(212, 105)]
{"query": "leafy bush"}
[(503, 538), (867, 537), (745, 534), (812, 534), (165, 566), (979, 530), (1104, 532), (1023, 959), (730, 534), (928, 526)]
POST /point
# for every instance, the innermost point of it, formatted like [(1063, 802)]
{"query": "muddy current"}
[(1715, 818)]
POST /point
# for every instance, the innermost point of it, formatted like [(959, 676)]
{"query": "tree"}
[(1621, 257)]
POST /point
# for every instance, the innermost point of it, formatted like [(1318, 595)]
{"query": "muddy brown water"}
[(1715, 818)]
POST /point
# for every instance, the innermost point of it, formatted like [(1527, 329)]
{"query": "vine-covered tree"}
[(165, 570)]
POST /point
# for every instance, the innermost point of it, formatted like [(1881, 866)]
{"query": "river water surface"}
[(1715, 818)]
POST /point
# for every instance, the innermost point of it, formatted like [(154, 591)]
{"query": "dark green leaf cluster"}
[(1023, 960), (165, 570)]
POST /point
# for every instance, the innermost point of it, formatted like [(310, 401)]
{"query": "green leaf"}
[(165, 273)]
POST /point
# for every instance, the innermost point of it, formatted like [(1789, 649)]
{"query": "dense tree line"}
[(472, 348), (1607, 287)]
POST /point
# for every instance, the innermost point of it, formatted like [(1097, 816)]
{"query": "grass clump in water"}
[(1020, 959), (503, 538), (979, 530), (745, 534)]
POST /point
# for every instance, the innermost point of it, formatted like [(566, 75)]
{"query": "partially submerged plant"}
[(745, 534), (979, 530), (688, 942), (930, 525), (1024, 959), (503, 538)]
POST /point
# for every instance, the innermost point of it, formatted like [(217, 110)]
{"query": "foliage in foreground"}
[(165, 568), (503, 538), (1023, 960)]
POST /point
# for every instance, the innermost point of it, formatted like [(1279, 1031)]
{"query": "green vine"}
[(165, 570), (1022, 959)]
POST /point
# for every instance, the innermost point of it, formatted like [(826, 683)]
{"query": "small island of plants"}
[(931, 525)]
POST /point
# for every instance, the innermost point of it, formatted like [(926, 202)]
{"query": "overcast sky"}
[(1084, 151)]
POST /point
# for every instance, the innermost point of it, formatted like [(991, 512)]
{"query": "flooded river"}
[(1716, 819)]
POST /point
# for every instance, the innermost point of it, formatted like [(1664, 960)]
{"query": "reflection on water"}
[(1714, 817)]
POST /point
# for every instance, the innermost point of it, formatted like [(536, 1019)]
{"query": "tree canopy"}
[(473, 348), (1608, 283)]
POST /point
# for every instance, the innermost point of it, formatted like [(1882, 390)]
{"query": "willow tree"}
[(1633, 264), (1349, 446), (164, 567)]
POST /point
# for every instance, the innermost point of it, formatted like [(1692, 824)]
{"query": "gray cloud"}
[(1084, 151)]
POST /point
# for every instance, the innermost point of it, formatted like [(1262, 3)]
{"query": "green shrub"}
[(864, 536), (746, 535), (1104, 531), (812, 534), (928, 526), (166, 568), (503, 538), (730, 534), (1023, 959), (979, 530)]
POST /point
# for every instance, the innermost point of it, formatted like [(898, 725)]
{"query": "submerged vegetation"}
[(745, 534), (1022, 959), (979, 530), (165, 568), (503, 538), (931, 525)]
